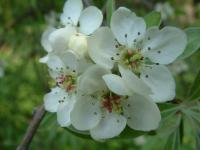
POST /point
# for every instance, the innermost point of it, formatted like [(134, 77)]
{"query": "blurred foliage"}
[(25, 81)]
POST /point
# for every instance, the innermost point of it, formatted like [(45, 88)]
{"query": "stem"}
[(33, 126)]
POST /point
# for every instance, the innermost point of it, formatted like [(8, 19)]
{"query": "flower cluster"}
[(108, 78)]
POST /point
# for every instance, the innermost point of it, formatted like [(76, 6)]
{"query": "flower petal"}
[(90, 20), (91, 81), (165, 45), (110, 126), (160, 80), (45, 39), (51, 99), (70, 60), (86, 113), (142, 113), (60, 37), (64, 111), (44, 59), (116, 84), (135, 84), (71, 12), (55, 63), (102, 47), (126, 26)]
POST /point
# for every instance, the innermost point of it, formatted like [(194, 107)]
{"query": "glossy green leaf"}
[(110, 8), (153, 19), (193, 42)]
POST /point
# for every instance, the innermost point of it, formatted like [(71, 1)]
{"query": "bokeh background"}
[(24, 81)]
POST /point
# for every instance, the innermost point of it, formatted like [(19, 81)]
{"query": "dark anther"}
[(117, 121), (159, 52), (134, 40), (116, 46), (74, 70), (148, 38), (95, 113), (128, 105), (157, 63), (112, 58), (125, 35), (146, 76), (117, 54), (138, 33), (149, 48), (69, 18)]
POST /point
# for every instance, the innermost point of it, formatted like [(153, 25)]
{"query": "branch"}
[(33, 126)]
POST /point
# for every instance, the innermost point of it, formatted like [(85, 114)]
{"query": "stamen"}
[(139, 33), (146, 76), (159, 52)]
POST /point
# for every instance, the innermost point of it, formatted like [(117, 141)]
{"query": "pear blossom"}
[(62, 98), (78, 25), (59, 101), (143, 51), (104, 109)]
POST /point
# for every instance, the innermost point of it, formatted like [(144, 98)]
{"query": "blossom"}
[(78, 25), (59, 101), (143, 51), (105, 109), (62, 98)]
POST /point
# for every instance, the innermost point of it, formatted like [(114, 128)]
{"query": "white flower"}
[(73, 36), (58, 100), (62, 98), (104, 113), (144, 52)]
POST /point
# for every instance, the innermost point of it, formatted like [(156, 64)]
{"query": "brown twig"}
[(33, 126)]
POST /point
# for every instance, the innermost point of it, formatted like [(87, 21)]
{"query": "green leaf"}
[(193, 35), (110, 8), (153, 19), (195, 89)]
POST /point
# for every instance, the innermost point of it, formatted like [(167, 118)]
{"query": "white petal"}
[(91, 81), (71, 12), (116, 84), (44, 59), (70, 60), (160, 80), (45, 39), (110, 126), (90, 20), (142, 113), (86, 113), (64, 111), (60, 37), (55, 63), (102, 47), (135, 84), (51, 99), (166, 44), (126, 26)]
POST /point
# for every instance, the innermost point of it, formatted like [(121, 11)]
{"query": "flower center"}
[(78, 43), (68, 82), (133, 59), (111, 102)]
